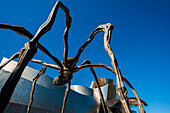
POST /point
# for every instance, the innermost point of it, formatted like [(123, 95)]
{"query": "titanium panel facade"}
[(47, 97)]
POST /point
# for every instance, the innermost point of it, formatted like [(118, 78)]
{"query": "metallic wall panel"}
[(83, 90), (47, 97)]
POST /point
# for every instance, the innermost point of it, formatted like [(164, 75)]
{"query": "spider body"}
[(66, 75)]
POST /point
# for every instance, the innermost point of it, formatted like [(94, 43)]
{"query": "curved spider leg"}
[(134, 101), (68, 25), (16, 55), (98, 86), (47, 25), (25, 56), (18, 29), (22, 31), (45, 64), (141, 110), (42, 71), (93, 65), (76, 58), (121, 90), (65, 97)]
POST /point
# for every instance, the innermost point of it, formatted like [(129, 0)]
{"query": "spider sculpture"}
[(67, 67)]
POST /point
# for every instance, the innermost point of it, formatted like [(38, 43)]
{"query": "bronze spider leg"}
[(65, 56), (42, 71), (66, 95), (22, 31), (98, 86), (121, 90), (141, 110), (93, 65), (7, 90), (76, 58), (68, 25), (32, 60), (133, 101), (26, 54), (45, 64)]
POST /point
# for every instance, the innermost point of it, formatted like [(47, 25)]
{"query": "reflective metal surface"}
[(47, 97)]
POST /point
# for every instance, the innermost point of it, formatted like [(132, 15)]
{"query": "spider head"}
[(63, 79), (69, 63)]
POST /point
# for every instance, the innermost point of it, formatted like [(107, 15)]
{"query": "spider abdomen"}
[(63, 79)]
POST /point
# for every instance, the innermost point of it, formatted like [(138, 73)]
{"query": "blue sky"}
[(140, 40)]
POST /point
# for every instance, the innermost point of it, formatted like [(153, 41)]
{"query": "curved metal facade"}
[(47, 97)]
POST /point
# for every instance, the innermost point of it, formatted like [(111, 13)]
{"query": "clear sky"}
[(140, 40)]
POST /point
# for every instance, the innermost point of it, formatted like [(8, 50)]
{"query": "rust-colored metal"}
[(65, 97)]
